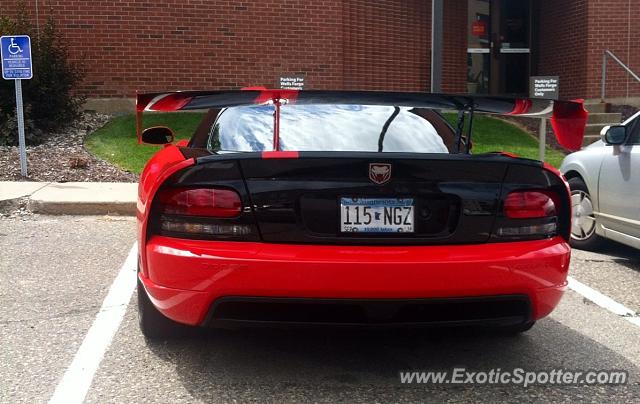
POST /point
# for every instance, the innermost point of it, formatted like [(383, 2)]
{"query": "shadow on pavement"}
[(355, 365), (621, 254)]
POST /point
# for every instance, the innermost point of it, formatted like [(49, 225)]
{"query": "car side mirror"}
[(614, 135), (158, 135)]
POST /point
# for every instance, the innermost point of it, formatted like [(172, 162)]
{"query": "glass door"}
[(498, 46), (479, 46), (514, 38)]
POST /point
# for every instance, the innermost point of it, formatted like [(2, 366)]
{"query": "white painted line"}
[(77, 379), (604, 301)]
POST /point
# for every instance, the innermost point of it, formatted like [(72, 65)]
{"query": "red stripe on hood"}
[(280, 154), (272, 95), (171, 102), (521, 106)]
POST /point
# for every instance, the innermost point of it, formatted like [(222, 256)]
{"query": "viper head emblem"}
[(380, 173)]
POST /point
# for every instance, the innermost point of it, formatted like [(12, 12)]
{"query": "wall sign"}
[(292, 82), (16, 57), (479, 28), (544, 87), (15, 52)]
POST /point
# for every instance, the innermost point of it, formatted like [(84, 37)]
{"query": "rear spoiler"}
[(568, 118)]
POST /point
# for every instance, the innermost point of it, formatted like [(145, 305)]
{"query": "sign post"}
[(15, 51), (547, 87), (542, 143)]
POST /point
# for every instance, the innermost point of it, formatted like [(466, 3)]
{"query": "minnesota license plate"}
[(376, 215)]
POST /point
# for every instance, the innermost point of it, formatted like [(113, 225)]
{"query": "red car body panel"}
[(164, 163), (185, 277)]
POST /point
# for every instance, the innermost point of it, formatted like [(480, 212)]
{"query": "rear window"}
[(325, 128)]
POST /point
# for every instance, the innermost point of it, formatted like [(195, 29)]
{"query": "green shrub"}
[(9, 129), (49, 98)]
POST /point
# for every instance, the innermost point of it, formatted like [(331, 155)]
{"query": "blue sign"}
[(16, 57)]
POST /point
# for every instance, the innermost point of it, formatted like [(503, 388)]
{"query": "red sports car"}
[(348, 208)]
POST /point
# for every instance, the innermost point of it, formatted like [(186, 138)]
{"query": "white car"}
[(605, 187)]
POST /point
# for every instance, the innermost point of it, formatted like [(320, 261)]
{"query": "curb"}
[(81, 208), (72, 198)]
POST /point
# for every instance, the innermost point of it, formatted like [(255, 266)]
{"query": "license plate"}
[(376, 215)]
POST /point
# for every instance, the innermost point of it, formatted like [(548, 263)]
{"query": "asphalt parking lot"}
[(56, 271)]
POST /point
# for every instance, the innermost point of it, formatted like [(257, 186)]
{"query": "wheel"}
[(153, 324), (583, 220)]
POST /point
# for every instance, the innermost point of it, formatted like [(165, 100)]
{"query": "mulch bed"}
[(63, 158)]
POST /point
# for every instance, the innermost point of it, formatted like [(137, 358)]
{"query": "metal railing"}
[(608, 53)]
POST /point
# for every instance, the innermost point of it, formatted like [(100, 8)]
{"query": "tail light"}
[(529, 205), (209, 202), (529, 214), (201, 213)]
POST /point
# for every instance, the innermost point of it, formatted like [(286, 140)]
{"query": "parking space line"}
[(604, 301), (75, 383)]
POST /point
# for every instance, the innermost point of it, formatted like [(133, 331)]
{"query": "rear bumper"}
[(185, 279)]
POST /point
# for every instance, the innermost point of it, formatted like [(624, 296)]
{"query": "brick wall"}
[(386, 45), (129, 45), (454, 54), (562, 33), (613, 25), (183, 44), (572, 36)]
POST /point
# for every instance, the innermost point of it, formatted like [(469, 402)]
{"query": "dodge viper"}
[(349, 208)]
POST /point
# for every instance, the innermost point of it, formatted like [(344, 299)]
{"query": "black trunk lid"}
[(297, 200)]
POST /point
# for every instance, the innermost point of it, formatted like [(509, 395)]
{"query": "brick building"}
[(488, 46)]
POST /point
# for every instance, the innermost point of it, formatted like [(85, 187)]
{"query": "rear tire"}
[(153, 324), (583, 220), (518, 329)]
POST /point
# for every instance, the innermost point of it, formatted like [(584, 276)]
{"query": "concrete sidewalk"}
[(73, 198)]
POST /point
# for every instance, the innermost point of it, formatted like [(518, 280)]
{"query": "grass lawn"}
[(491, 134), (116, 142)]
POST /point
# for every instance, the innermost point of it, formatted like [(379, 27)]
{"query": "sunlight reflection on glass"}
[(326, 128)]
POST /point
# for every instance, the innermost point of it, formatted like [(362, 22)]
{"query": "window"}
[(325, 128)]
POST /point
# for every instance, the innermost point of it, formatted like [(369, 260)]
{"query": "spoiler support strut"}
[(463, 113), (469, 129), (276, 124), (459, 129)]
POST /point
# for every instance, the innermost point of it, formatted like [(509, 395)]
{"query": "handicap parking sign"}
[(16, 57)]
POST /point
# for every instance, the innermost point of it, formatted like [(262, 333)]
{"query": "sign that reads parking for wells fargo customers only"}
[(292, 82), (16, 57), (544, 87)]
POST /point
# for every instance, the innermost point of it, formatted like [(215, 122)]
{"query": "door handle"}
[(495, 44)]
